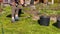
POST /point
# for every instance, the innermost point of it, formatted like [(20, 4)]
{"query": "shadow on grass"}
[(19, 13)]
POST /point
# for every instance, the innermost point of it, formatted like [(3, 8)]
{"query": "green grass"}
[(25, 25)]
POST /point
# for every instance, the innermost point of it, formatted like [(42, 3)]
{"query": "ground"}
[(26, 25)]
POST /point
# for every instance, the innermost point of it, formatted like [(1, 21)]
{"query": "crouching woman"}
[(16, 4)]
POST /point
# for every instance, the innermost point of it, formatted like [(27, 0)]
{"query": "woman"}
[(16, 4)]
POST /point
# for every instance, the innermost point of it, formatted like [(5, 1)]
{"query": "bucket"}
[(44, 20)]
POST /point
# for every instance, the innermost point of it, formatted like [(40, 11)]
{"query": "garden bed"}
[(20, 27)]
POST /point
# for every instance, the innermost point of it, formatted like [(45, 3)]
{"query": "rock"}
[(54, 19)]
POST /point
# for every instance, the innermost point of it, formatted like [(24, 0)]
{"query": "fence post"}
[(52, 1)]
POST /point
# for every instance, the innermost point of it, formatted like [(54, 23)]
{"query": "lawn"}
[(25, 25)]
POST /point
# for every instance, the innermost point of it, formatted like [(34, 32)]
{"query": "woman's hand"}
[(21, 2)]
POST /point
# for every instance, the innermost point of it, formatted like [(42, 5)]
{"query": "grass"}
[(25, 25)]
